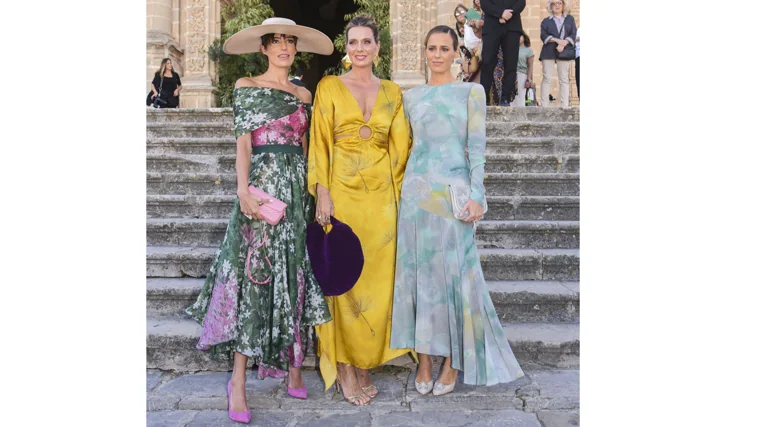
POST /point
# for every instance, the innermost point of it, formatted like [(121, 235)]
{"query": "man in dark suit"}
[(297, 76), (502, 27)]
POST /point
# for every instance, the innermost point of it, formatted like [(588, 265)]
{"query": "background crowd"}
[(497, 53)]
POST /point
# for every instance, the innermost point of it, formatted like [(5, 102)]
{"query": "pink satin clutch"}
[(273, 211)]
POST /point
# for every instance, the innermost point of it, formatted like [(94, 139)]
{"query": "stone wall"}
[(182, 30)]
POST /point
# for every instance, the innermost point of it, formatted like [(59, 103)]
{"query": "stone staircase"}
[(529, 240)]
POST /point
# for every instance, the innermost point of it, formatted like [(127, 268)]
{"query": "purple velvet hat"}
[(336, 257)]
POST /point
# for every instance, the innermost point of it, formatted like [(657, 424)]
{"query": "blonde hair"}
[(566, 6)]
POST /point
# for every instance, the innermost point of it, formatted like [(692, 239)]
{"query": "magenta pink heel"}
[(241, 417), (298, 393)]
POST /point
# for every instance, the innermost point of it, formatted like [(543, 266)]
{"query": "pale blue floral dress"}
[(441, 304)]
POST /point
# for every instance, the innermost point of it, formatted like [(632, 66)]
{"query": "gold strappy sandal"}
[(370, 390), (354, 400)]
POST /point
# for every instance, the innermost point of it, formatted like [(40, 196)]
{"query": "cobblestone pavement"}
[(541, 399)]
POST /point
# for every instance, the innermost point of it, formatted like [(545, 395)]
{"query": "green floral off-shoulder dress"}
[(260, 297)]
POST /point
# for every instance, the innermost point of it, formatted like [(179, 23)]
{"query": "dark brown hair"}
[(526, 42), (364, 20), (460, 27), (444, 29), (267, 39), (459, 6)]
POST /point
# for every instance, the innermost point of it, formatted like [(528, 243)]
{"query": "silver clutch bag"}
[(460, 194)]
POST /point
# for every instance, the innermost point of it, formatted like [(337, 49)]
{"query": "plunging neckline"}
[(374, 106)]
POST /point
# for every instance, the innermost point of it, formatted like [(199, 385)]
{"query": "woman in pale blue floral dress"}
[(441, 305), (260, 299)]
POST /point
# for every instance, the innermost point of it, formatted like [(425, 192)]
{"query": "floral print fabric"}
[(270, 323), (441, 304), (280, 131)]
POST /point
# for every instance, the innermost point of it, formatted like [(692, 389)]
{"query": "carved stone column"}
[(407, 65), (202, 24), (161, 42)]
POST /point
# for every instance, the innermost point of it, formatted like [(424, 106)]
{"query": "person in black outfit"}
[(297, 76), (168, 83), (502, 27)]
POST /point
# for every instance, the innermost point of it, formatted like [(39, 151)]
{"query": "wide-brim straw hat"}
[(249, 39)]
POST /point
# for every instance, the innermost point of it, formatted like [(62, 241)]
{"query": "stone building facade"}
[(182, 29)]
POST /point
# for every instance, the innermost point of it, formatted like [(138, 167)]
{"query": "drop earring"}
[(376, 61)]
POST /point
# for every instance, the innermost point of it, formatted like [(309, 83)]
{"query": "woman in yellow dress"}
[(360, 142)]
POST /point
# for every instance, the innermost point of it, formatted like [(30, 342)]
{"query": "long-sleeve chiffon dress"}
[(441, 304)]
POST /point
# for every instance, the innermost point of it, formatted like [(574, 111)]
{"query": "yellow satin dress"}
[(364, 178)]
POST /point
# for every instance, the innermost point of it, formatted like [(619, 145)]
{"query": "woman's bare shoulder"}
[(246, 82)]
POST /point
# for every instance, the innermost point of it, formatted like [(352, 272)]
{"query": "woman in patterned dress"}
[(260, 298), (441, 304), (359, 145)]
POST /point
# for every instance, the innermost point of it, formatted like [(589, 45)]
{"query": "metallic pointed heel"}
[(423, 387), (439, 389)]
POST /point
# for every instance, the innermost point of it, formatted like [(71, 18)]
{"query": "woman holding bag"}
[(260, 298), (359, 146), (558, 34), (166, 85), (441, 304)]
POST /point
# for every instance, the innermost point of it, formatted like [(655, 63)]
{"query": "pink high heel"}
[(298, 393), (241, 417)]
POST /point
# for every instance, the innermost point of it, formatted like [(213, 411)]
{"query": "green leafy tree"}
[(238, 15), (380, 10)]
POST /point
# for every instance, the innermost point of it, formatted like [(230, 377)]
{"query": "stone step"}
[(189, 129), (498, 264), (535, 146), (521, 301), (530, 208), (200, 399), (530, 163), (549, 208), (494, 145), (515, 114), (189, 115), (530, 264), (532, 129), (191, 163), (509, 163), (490, 234), (171, 345), (192, 145), (191, 206), (512, 114), (493, 129), (528, 234), (497, 184)]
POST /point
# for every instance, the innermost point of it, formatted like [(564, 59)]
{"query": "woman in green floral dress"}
[(260, 298)]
